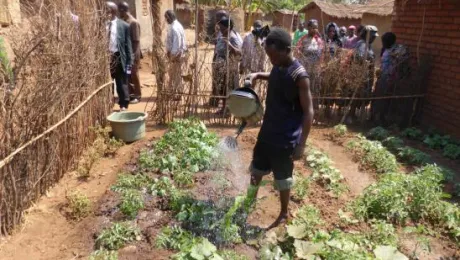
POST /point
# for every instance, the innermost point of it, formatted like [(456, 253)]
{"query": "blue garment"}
[(282, 123)]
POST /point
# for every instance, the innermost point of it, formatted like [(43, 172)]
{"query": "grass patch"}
[(79, 205)]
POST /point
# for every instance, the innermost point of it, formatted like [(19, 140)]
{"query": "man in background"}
[(299, 33), (343, 35), (175, 51), (135, 32), (253, 54), (121, 54)]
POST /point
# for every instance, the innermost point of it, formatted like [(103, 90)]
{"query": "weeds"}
[(117, 236), (79, 205), (89, 158), (104, 255), (324, 172), (373, 155)]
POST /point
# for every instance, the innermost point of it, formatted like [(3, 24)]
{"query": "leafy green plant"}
[(175, 238), (118, 235), (372, 154), (183, 178), (79, 205), (232, 255), (393, 143), (131, 202), (437, 141), (202, 249), (412, 133), (324, 172), (397, 197), (103, 254), (301, 185), (128, 181), (413, 156), (451, 151), (340, 130), (270, 252), (382, 233), (378, 133), (307, 219), (186, 145)]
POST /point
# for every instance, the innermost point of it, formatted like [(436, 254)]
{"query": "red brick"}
[(456, 42), (453, 34)]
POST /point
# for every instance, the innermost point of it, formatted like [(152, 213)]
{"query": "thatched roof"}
[(285, 11), (381, 8), (335, 10)]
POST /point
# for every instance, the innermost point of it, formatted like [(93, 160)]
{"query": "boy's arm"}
[(306, 102), (258, 76)]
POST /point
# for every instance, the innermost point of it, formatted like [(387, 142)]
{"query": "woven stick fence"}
[(55, 95)]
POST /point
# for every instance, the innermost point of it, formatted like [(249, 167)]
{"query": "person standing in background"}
[(309, 52), (225, 63), (299, 33), (333, 43), (253, 53), (135, 32), (352, 39), (121, 54), (175, 51), (343, 35)]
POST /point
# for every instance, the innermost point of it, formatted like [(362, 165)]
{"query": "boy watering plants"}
[(287, 120)]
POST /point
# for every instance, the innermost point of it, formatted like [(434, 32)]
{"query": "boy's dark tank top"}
[(282, 122)]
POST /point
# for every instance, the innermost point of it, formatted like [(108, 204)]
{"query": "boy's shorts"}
[(268, 158)]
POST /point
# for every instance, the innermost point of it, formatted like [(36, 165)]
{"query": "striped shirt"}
[(282, 124)]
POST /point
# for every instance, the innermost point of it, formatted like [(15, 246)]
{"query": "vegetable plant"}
[(307, 219), (300, 189), (378, 133), (131, 202), (372, 154), (451, 151), (118, 235), (324, 172), (413, 156), (127, 181), (340, 130), (437, 141), (175, 238), (412, 133), (393, 143)]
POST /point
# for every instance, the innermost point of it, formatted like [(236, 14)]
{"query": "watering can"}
[(244, 104)]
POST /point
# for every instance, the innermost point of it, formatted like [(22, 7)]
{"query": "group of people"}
[(125, 52)]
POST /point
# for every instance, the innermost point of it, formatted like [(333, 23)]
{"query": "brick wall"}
[(440, 23)]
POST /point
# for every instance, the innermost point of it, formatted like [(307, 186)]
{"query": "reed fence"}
[(54, 94)]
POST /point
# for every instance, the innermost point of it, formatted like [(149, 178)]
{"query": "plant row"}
[(324, 173), (450, 147), (186, 148)]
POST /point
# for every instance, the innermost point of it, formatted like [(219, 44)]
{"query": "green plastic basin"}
[(128, 126)]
